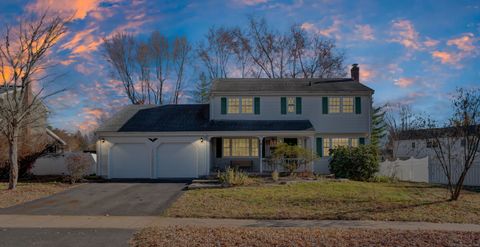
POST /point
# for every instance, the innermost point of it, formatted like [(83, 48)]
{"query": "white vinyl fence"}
[(437, 175), (415, 170), (56, 165), (424, 170)]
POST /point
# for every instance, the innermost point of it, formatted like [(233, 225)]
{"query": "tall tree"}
[(180, 56), (379, 127), (23, 60), (144, 67), (202, 89)]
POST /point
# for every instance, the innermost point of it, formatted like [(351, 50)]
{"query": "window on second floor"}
[(334, 104), (347, 104), (240, 105), (291, 107)]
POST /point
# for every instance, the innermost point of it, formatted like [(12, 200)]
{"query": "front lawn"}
[(331, 200), (253, 236), (28, 192)]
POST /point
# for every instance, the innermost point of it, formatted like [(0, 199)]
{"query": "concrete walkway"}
[(137, 222)]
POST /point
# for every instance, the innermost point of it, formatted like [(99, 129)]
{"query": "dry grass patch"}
[(331, 200), (28, 192), (253, 236)]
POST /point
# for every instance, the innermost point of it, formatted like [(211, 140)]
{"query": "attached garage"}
[(125, 165), (177, 160)]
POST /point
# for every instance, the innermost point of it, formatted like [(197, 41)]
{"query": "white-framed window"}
[(291, 105), (334, 104), (240, 147), (247, 105), (331, 143), (233, 105), (347, 105), (236, 105)]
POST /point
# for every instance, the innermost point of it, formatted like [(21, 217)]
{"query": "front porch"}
[(253, 154)]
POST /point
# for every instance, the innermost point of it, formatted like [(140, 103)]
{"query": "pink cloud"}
[(250, 2), (405, 34), (430, 42), (463, 43), (330, 32), (364, 32), (78, 8), (404, 82), (446, 57), (83, 41)]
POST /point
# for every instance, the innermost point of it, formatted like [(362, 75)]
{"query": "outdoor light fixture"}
[(103, 140), (201, 139)]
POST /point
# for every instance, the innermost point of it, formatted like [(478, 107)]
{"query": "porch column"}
[(260, 153), (312, 147)]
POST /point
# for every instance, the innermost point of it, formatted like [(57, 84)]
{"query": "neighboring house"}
[(412, 144), (36, 132), (244, 121)]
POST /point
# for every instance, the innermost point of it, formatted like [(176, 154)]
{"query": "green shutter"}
[(361, 140), (358, 105), (256, 106), (283, 105), (325, 105), (320, 147), (298, 105), (224, 106)]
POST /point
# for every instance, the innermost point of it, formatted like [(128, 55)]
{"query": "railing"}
[(270, 165)]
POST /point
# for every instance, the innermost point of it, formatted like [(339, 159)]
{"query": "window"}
[(240, 147), (240, 105), (432, 144), (331, 143), (347, 104), (334, 104), (413, 144), (291, 105), (233, 105), (247, 105)]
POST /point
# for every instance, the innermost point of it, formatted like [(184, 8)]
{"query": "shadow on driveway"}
[(116, 199)]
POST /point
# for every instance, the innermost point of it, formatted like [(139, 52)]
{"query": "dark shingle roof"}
[(174, 118), (288, 85)]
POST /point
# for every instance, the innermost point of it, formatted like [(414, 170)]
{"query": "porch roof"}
[(178, 118)]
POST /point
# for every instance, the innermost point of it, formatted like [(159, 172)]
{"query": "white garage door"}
[(176, 160), (129, 160)]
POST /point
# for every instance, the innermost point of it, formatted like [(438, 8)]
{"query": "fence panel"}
[(415, 170)]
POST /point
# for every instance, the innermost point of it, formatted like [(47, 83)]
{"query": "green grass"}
[(331, 200)]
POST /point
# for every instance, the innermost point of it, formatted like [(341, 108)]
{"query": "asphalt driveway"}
[(116, 199)]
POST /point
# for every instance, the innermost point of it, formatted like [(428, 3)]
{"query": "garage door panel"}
[(129, 160), (176, 160)]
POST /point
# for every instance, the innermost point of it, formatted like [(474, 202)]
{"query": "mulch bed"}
[(253, 236)]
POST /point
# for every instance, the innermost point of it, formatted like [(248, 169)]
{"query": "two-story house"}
[(244, 121)]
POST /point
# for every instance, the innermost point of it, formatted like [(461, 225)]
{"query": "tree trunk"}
[(13, 157)]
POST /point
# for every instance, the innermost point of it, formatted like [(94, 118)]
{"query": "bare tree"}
[(456, 146), (160, 53), (145, 67), (23, 53), (401, 122), (216, 54), (181, 50)]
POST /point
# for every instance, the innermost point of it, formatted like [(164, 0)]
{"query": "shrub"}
[(275, 176), (356, 163), (26, 161), (232, 177), (292, 157), (78, 165)]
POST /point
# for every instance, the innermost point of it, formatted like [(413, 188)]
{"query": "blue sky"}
[(414, 52)]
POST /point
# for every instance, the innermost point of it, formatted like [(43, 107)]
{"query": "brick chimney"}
[(355, 72)]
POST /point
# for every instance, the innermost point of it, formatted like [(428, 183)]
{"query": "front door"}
[(291, 141)]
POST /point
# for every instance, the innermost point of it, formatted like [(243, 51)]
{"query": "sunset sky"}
[(414, 52)]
